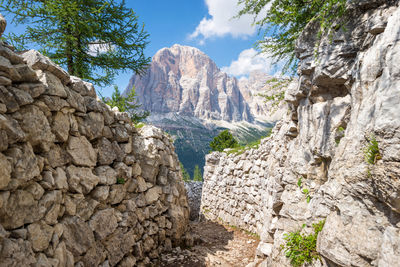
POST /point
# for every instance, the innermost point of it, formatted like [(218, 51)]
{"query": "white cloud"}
[(249, 60), (222, 23), (99, 48)]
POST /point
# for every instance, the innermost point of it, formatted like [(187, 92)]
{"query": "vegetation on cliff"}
[(285, 20)]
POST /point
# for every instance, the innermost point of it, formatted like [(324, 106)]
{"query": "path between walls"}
[(213, 244)]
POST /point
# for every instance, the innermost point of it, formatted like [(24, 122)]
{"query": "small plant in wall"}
[(371, 151), (300, 248), (305, 191), (339, 135), (120, 180)]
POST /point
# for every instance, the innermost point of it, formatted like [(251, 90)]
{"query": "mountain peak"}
[(185, 80)]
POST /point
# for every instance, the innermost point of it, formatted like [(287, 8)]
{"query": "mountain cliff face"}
[(186, 81), (317, 164), (193, 100)]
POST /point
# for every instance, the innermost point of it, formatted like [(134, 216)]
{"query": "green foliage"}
[(120, 180), (278, 86), (240, 149), (197, 175), (94, 39), (305, 191), (300, 181), (139, 125), (371, 151), (222, 141), (185, 174), (339, 135), (284, 21), (301, 248), (127, 104)]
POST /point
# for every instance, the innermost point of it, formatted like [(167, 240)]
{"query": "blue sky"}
[(205, 24)]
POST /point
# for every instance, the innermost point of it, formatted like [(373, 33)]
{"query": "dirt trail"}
[(214, 245)]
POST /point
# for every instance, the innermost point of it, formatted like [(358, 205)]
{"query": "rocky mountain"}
[(192, 99), (184, 80)]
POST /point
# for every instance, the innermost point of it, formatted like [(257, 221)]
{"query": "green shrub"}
[(339, 135), (301, 248), (371, 151), (222, 141), (240, 149), (120, 180), (139, 125)]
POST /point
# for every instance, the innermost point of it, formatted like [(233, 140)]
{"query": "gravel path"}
[(214, 245)]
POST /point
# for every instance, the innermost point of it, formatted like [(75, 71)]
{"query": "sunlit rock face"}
[(347, 94), (184, 80)]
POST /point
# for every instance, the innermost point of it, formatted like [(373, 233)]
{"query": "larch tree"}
[(93, 39), (197, 175), (282, 21)]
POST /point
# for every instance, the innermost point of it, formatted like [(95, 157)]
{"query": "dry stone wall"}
[(346, 95), (79, 185), (193, 190), (233, 189)]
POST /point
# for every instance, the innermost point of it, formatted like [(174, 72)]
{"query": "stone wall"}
[(344, 97), (193, 189), (79, 184), (233, 188)]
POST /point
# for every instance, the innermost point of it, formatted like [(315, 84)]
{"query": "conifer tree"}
[(185, 174), (128, 104), (197, 175), (223, 140), (282, 21), (93, 39)]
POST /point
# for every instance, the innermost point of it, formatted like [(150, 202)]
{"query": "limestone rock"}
[(3, 24), (61, 152), (81, 151), (77, 235), (35, 124), (39, 62), (103, 223), (153, 194), (5, 171), (107, 175), (39, 234), (82, 180), (106, 153)]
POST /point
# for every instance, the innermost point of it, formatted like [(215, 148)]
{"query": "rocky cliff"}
[(184, 80), (192, 99), (79, 185), (347, 97)]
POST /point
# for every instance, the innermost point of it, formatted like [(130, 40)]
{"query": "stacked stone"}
[(79, 184), (313, 165), (193, 189), (233, 189)]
